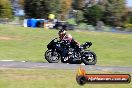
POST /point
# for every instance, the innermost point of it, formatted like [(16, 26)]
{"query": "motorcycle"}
[(62, 51)]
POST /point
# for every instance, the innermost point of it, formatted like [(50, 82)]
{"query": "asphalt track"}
[(43, 65)]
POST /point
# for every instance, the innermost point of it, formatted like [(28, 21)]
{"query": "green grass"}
[(44, 78), (30, 44)]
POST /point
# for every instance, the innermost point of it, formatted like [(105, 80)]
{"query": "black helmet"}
[(62, 32)]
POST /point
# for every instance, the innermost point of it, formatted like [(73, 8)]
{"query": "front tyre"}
[(89, 58), (52, 56)]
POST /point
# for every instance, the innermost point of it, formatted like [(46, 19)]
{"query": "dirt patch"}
[(5, 38)]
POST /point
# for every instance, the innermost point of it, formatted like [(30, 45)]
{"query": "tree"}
[(114, 12), (82, 7), (93, 14), (109, 11), (78, 4), (21, 2), (41, 8), (65, 8), (5, 9)]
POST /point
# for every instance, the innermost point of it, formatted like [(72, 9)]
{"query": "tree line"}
[(112, 12), (5, 9)]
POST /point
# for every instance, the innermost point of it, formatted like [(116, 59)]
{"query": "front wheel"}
[(89, 58), (52, 56)]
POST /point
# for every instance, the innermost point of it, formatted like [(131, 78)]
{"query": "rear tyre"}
[(89, 58), (52, 56)]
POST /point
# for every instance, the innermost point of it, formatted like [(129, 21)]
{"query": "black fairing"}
[(55, 45), (50, 45)]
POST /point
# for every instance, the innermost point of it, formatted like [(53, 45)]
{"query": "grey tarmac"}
[(63, 66)]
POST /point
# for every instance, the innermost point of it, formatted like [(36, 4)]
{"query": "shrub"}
[(128, 27), (84, 26), (71, 21)]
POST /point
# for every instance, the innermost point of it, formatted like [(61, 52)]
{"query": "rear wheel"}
[(89, 58), (52, 56)]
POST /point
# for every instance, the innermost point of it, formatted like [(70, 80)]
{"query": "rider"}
[(68, 38)]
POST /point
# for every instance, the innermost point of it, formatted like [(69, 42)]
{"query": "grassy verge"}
[(19, 43), (44, 78)]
